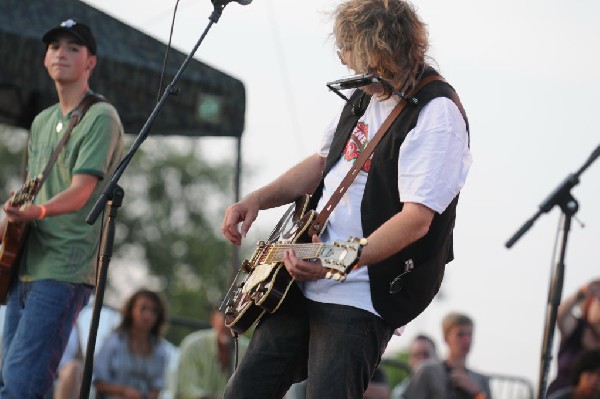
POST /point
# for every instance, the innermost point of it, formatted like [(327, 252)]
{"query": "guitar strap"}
[(76, 116), (320, 221)]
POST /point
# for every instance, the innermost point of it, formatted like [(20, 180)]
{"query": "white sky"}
[(525, 71)]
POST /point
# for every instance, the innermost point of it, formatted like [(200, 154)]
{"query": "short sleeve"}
[(98, 144), (328, 133), (435, 157), (102, 359), (162, 359)]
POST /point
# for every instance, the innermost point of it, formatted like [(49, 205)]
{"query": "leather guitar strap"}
[(76, 117), (320, 221)]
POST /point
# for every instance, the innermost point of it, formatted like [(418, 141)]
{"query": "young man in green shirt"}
[(57, 269)]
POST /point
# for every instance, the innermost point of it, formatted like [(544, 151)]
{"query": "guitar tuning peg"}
[(362, 241)]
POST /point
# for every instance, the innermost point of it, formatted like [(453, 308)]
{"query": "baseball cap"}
[(79, 30)]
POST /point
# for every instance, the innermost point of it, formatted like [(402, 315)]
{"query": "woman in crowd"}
[(133, 359)]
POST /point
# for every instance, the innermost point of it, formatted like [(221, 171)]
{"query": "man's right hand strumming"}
[(244, 212), (301, 179)]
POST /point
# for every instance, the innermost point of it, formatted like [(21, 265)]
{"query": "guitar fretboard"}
[(274, 252), (26, 193)]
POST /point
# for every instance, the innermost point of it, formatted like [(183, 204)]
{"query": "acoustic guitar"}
[(15, 235)]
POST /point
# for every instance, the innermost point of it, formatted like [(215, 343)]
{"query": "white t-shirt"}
[(432, 167)]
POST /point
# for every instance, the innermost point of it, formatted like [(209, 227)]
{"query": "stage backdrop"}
[(208, 103)]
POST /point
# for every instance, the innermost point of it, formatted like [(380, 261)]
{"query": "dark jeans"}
[(337, 347)]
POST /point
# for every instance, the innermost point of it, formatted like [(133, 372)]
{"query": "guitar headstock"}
[(26, 193), (344, 255)]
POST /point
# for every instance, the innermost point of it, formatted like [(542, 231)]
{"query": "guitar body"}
[(263, 282), (12, 243), (14, 237), (263, 286), (10, 249)]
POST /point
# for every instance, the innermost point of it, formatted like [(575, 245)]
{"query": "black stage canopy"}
[(209, 103)]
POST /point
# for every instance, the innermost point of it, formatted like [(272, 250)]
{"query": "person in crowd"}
[(57, 263), (207, 359), (70, 368), (402, 199), (378, 387), (450, 378), (421, 349), (585, 380), (578, 332), (132, 361)]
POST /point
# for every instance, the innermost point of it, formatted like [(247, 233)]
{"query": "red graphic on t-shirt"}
[(356, 144)]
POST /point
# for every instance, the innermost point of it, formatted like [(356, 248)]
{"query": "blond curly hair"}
[(383, 37)]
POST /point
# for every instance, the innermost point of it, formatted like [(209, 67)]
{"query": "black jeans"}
[(337, 347)]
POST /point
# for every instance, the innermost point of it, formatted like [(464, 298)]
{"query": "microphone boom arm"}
[(560, 195)]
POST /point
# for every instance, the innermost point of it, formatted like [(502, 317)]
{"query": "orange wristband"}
[(43, 212)]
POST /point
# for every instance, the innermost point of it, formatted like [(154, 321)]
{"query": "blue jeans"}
[(38, 321), (337, 347)]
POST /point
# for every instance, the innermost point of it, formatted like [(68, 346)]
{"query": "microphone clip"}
[(365, 79), (219, 5)]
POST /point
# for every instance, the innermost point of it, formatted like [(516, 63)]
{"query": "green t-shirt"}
[(65, 247), (199, 373)]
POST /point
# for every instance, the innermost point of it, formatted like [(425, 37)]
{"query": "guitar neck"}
[(274, 252), (26, 193)]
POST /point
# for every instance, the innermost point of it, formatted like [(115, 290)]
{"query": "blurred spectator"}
[(578, 332), (450, 378), (70, 368), (132, 361), (585, 378), (421, 349), (378, 387), (206, 361)]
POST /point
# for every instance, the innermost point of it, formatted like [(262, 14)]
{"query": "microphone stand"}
[(106, 245), (562, 197), (113, 194)]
